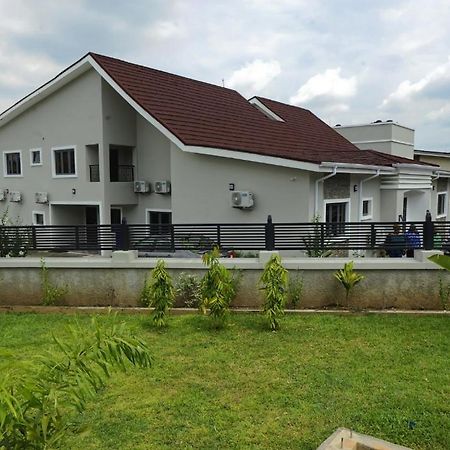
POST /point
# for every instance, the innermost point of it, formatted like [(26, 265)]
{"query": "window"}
[(441, 204), (38, 218), (335, 216), (64, 162), (12, 164), (36, 157), (367, 208), (159, 221)]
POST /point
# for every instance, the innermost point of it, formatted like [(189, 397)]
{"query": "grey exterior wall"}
[(201, 194), (69, 117)]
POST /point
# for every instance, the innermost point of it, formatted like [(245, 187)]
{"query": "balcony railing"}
[(122, 173), (94, 173)]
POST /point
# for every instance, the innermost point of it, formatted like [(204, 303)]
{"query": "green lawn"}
[(244, 387)]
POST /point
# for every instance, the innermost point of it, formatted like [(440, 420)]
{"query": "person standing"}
[(412, 240), (395, 243)]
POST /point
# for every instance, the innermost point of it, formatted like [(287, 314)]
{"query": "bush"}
[(188, 290), (295, 290), (14, 241), (51, 294), (217, 288), (274, 281), (159, 293), (37, 408)]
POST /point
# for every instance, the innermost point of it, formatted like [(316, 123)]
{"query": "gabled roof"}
[(203, 115)]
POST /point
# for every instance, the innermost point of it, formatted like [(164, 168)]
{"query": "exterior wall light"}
[(355, 188), (231, 186), (74, 191)]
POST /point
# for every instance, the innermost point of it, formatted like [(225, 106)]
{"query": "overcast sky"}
[(349, 61)]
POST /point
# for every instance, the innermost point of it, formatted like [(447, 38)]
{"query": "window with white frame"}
[(336, 213), (64, 162), (12, 163), (36, 157), (441, 204), (38, 218), (367, 206)]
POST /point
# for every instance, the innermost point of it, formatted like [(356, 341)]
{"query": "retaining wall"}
[(93, 281)]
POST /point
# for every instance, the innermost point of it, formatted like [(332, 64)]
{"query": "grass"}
[(245, 387)]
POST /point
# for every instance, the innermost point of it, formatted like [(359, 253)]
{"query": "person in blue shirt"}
[(412, 241)]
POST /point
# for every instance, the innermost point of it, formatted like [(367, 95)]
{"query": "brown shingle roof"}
[(206, 115)]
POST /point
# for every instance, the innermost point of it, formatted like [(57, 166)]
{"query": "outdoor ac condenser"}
[(141, 187), (162, 187), (242, 199), (41, 197), (15, 196)]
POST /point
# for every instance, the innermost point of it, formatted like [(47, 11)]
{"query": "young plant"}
[(295, 290), (51, 294), (348, 278), (160, 293), (315, 241), (188, 290), (217, 288), (444, 291), (274, 281), (14, 241), (37, 408)]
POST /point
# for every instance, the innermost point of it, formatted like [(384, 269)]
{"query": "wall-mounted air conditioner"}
[(15, 196), (141, 187), (41, 197), (162, 187), (242, 199), (3, 194)]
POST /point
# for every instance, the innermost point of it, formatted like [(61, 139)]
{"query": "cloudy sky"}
[(349, 61)]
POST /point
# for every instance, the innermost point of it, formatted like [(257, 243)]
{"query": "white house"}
[(106, 140)]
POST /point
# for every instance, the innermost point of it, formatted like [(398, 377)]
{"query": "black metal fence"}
[(312, 238)]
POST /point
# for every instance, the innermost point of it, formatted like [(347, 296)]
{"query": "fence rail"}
[(309, 237)]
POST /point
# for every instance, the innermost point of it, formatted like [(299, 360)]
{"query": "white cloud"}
[(163, 30), (406, 90), (254, 76), (327, 85)]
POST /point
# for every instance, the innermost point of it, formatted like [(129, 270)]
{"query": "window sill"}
[(65, 176), (12, 176)]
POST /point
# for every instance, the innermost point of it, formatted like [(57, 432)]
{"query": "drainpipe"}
[(361, 191), (321, 180)]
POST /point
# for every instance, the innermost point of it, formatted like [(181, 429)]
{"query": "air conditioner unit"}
[(15, 196), (41, 197), (141, 187), (162, 187), (3, 193), (242, 199)]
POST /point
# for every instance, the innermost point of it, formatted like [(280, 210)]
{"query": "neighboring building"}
[(74, 151), (394, 139)]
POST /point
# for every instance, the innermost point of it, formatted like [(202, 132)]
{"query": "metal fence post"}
[(428, 230), (33, 238), (270, 234), (125, 236), (172, 237), (373, 236)]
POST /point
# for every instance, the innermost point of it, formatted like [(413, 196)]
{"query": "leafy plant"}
[(444, 291), (160, 293), (348, 278), (37, 407), (217, 288), (51, 294), (315, 241), (274, 281), (14, 240), (295, 290), (188, 290)]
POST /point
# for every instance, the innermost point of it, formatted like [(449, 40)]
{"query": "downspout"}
[(361, 191), (316, 193)]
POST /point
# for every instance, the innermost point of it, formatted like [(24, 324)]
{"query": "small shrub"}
[(14, 241), (274, 281), (188, 290), (160, 293), (315, 243), (51, 294), (37, 408), (348, 278), (217, 288), (295, 290)]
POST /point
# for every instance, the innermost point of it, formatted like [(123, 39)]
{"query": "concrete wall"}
[(389, 283), (70, 117), (200, 190), (386, 137)]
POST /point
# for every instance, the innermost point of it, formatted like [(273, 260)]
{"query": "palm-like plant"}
[(348, 278)]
